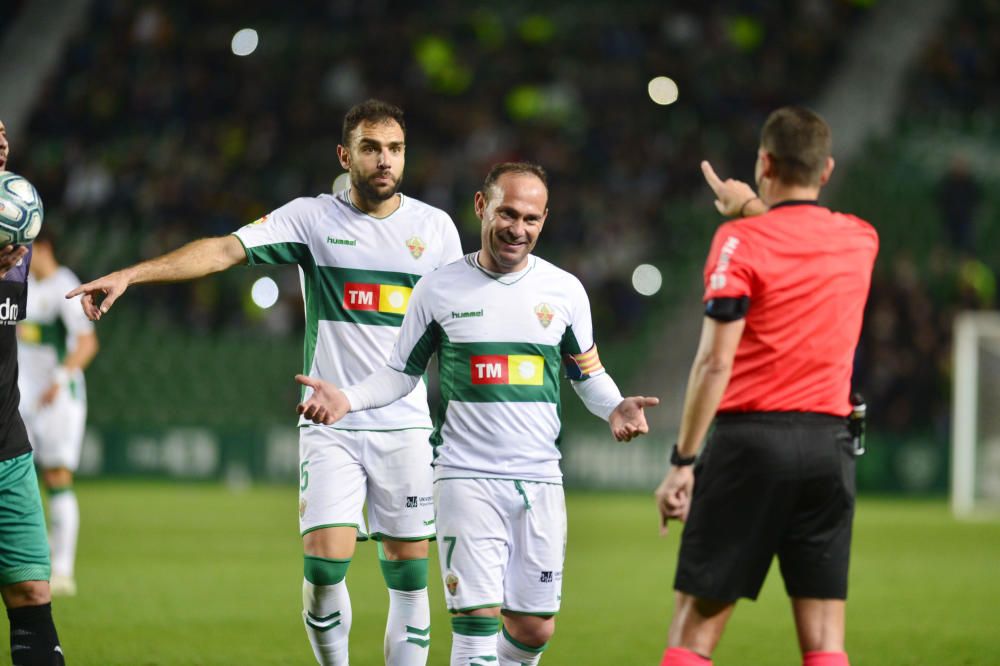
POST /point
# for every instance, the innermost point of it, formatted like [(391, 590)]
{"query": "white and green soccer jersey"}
[(500, 340), (49, 333), (357, 274)]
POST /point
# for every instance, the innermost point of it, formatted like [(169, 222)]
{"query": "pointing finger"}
[(306, 380), (711, 178)]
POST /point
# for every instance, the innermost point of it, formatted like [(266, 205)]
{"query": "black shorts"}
[(770, 483)]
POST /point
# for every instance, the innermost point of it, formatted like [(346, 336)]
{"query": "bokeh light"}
[(264, 293), (647, 279), (341, 183), (245, 42), (663, 90)]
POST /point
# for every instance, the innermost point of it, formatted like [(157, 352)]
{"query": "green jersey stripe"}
[(343, 301), (416, 363), (52, 334), (278, 253), (460, 361), (569, 344)]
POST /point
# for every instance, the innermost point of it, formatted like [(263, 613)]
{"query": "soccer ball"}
[(21, 210)]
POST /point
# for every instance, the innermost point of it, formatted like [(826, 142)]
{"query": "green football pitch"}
[(198, 574)]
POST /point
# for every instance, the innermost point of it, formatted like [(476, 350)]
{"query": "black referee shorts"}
[(770, 483)]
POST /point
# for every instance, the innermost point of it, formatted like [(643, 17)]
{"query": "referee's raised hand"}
[(733, 198)]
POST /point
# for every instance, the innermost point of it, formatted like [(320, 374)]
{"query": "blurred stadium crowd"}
[(944, 258), (153, 130), (152, 133)]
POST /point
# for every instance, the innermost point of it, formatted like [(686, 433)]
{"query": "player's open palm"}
[(326, 405), (107, 288), (628, 421)]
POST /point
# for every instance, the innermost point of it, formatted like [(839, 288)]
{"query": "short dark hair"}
[(799, 142), (372, 111), (525, 168)]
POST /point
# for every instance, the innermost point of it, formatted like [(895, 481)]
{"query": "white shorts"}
[(501, 543), (56, 431), (340, 469)]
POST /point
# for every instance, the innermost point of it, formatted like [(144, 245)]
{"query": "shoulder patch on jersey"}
[(259, 220), (416, 247), (544, 313)]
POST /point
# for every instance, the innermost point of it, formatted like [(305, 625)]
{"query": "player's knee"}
[(531, 630), (335, 543), (27, 593), (405, 550)]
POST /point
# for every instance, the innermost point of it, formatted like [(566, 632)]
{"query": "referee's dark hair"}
[(525, 168), (798, 141), (371, 111)]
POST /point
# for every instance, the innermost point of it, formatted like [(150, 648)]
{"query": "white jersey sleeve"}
[(419, 334), (281, 236), (577, 347)]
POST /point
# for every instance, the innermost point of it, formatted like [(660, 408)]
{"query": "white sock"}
[(408, 628), (327, 616), (473, 650), (64, 525), (512, 655)]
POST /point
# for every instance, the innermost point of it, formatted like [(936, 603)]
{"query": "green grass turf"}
[(196, 574)]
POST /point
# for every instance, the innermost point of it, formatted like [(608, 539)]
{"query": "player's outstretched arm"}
[(628, 419), (194, 260), (733, 198), (326, 405)]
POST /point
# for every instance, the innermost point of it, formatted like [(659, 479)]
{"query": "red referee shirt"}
[(807, 271)]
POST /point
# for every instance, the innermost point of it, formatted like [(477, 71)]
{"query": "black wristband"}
[(677, 461)]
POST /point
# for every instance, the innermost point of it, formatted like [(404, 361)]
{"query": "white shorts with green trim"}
[(339, 470), (56, 430), (501, 543)]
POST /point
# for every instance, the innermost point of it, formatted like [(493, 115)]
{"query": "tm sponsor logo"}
[(466, 315)]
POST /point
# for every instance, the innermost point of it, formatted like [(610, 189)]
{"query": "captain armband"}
[(584, 365), (728, 309)]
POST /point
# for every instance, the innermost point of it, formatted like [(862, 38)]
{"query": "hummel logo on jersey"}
[(508, 369), (466, 315), (8, 311), (376, 297), (341, 241), (411, 502), (546, 577)]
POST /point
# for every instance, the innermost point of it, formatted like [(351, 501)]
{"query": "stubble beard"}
[(369, 192)]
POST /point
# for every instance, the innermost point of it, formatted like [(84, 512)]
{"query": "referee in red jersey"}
[(785, 290)]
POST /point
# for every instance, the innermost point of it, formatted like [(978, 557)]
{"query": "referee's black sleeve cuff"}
[(727, 309)]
